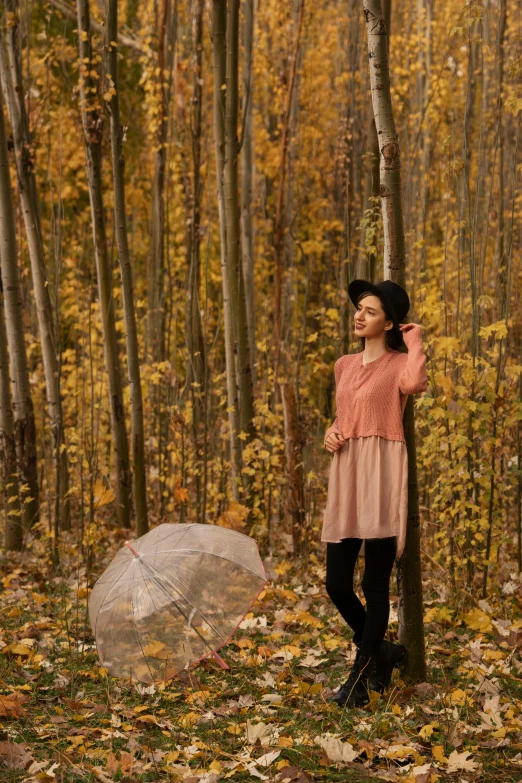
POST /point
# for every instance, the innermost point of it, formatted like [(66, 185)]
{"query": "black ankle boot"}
[(387, 659), (354, 692)]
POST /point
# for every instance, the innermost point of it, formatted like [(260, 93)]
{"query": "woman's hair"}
[(392, 341)]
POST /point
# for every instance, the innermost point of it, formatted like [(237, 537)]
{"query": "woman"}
[(368, 483)]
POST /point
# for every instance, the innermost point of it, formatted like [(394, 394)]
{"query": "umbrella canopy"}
[(172, 597)]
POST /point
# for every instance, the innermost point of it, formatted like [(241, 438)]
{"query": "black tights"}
[(369, 626)]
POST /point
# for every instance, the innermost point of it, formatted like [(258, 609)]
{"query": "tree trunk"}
[(195, 383), (23, 429), (388, 141), (219, 32), (279, 227), (233, 234), (14, 92), (411, 629), (133, 363), (247, 172), (194, 332), (156, 262), (8, 467), (294, 491), (295, 501), (92, 120)]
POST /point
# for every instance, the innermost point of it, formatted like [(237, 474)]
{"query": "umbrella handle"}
[(220, 660), (129, 546)]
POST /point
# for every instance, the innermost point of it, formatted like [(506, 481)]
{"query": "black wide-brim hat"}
[(393, 296)]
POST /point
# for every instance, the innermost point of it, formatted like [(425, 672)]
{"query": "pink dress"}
[(368, 479), (368, 491)]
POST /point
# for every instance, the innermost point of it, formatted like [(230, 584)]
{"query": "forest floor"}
[(62, 718)]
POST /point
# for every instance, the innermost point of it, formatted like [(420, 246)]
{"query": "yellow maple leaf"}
[(234, 517), (153, 648), (102, 494), (458, 696), (181, 494), (438, 754), (478, 620)]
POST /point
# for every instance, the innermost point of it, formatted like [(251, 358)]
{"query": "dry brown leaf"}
[(14, 756), (293, 775), (11, 705)]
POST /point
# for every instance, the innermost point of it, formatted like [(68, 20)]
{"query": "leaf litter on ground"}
[(63, 718)]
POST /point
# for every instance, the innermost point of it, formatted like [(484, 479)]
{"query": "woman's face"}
[(370, 318)]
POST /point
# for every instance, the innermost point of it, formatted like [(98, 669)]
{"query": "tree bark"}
[(409, 574), (8, 467), (92, 121), (219, 32), (194, 332), (131, 333), (247, 172), (279, 227), (14, 92), (233, 233), (22, 430), (388, 140), (155, 331), (295, 501)]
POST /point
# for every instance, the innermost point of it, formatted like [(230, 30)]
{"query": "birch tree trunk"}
[(233, 233), (22, 430), (92, 121), (133, 363), (409, 574), (14, 92), (388, 140), (219, 32), (247, 172)]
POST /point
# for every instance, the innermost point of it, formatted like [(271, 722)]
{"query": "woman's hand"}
[(409, 327), (411, 333), (334, 442)]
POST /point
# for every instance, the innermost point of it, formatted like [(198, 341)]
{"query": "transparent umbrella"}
[(173, 597)]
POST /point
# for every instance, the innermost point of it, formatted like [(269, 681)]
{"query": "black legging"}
[(369, 626)]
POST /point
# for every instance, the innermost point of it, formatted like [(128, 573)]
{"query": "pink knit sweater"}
[(371, 398)]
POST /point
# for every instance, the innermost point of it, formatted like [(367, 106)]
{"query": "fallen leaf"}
[(268, 758), (14, 756), (458, 761), (438, 754), (11, 705), (293, 775), (255, 731), (335, 749), (478, 620)]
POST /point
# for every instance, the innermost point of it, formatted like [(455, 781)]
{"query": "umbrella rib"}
[(168, 534), (212, 554), (138, 635), (108, 594), (159, 577)]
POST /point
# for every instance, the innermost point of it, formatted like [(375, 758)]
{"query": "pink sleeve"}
[(414, 378), (338, 372)]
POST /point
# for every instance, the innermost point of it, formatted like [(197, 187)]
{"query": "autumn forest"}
[(187, 189)]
